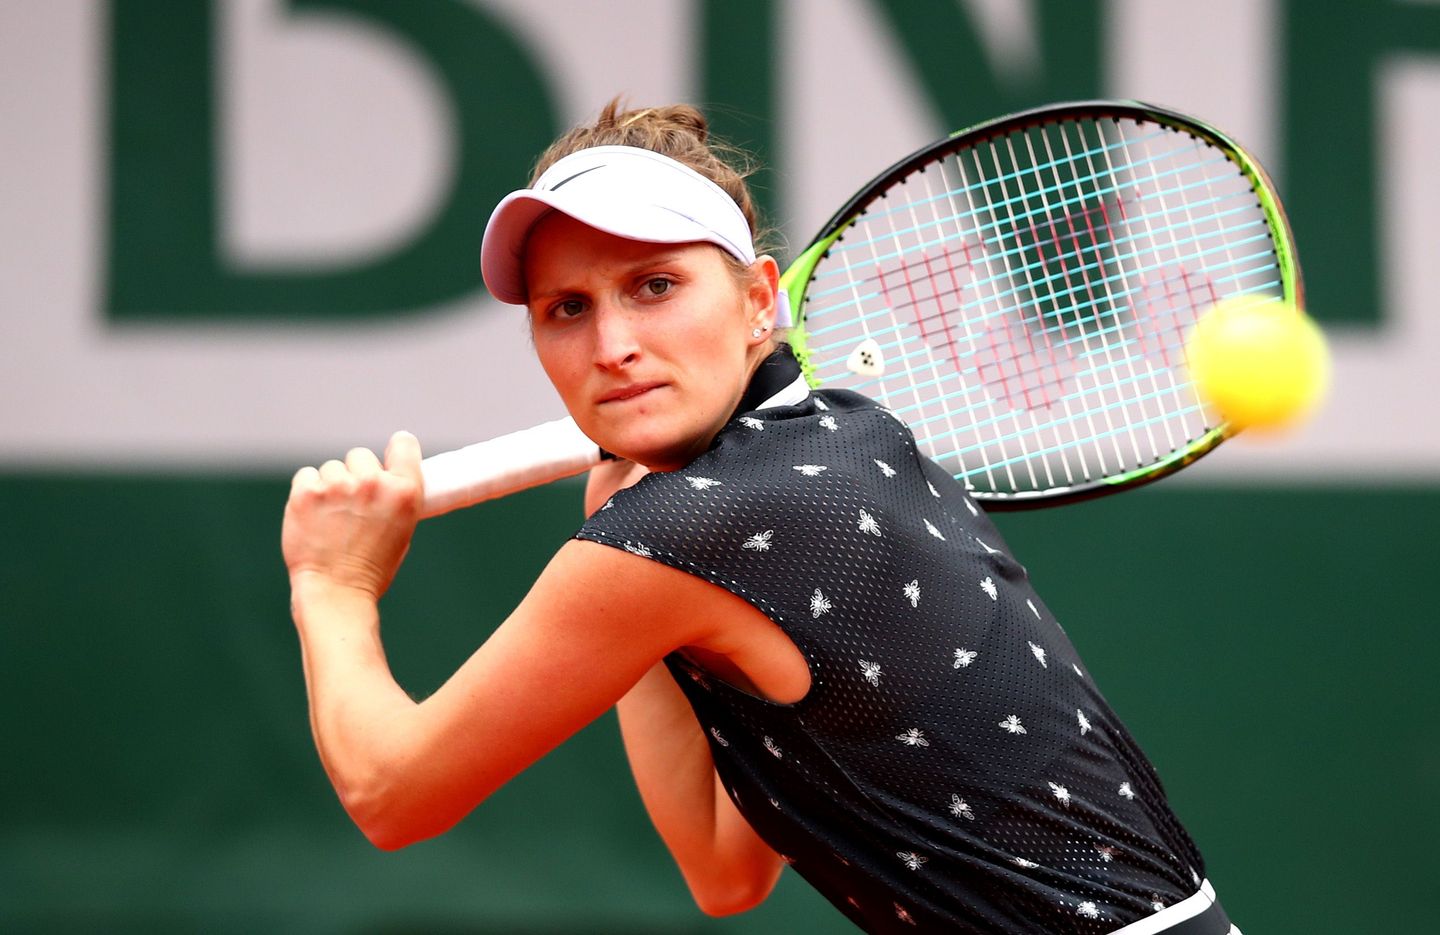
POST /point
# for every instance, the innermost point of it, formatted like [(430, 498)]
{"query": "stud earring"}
[(755, 333)]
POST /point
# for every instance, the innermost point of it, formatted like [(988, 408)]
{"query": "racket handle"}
[(505, 465)]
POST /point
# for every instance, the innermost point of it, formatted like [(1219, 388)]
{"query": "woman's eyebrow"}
[(655, 259), (629, 270)]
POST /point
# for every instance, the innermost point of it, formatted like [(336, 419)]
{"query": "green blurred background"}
[(1264, 624), (1269, 649)]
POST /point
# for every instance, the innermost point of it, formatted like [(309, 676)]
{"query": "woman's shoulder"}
[(833, 429), (769, 459)]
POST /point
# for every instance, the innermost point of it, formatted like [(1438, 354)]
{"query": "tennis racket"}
[(1018, 293)]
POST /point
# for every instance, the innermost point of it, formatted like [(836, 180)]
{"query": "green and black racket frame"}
[(1019, 294)]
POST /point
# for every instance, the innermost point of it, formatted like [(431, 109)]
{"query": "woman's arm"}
[(596, 621), (726, 865), (406, 771)]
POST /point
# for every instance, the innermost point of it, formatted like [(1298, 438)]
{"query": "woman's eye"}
[(569, 308), (657, 286)]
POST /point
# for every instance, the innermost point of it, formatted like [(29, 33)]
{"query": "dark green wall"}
[(1273, 650)]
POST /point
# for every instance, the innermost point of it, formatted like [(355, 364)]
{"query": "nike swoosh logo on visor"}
[(572, 178)]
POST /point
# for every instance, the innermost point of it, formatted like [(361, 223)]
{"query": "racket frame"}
[(796, 278)]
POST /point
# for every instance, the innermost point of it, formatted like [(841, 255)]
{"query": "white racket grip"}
[(505, 465)]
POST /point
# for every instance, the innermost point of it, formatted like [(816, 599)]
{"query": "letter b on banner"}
[(165, 226)]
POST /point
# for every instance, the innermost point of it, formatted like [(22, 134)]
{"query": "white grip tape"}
[(505, 465)]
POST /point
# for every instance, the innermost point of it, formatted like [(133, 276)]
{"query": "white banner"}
[(337, 143)]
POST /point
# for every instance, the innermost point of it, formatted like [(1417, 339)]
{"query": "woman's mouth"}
[(629, 391)]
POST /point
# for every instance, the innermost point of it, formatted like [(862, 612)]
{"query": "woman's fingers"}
[(334, 472), (305, 477), (362, 479), (402, 455), (362, 462)]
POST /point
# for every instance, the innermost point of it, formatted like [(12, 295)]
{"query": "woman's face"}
[(649, 345)]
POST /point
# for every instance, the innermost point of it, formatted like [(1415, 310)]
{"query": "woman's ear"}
[(760, 296)]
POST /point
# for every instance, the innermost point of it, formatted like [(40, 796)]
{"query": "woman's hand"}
[(350, 523)]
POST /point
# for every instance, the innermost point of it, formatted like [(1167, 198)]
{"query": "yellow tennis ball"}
[(1262, 362)]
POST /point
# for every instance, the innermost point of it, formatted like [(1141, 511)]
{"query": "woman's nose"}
[(616, 337)]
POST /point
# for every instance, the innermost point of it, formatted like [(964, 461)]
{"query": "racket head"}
[(1019, 293)]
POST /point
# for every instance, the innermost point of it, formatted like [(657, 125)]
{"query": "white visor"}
[(622, 190)]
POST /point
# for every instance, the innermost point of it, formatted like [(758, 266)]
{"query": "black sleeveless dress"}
[(953, 767)]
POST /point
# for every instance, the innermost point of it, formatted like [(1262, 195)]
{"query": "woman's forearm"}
[(725, 863), (356, 707)]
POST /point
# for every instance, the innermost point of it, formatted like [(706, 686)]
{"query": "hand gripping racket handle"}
[(505, 465)]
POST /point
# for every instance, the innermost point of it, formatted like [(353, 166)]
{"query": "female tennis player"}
[(822, 652)]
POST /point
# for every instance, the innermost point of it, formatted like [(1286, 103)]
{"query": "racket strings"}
[(1179, 288), (1253, 228), (1030, 295), (982, 312), (1150, 292), (1249, 230), (998, 235)]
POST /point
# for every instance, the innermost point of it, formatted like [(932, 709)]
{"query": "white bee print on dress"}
[(1013, 725), (1106, 852), (819, 604), (750, 422), (830, 423), (885, 469), (1156, 902), (871, 672), (1060, 793), (911, 859), (635, 548), (930, 528), (759, 542), (811, 470), (773, 748), (914, 737), (1039, 654), (608, 504), (960, 808), (1084, 722), (1024, 864), (1126, 792), (1089, 910), (703, 483), (912, 592), (715, 732), (988, 586), (868, 524), (963, 658)]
